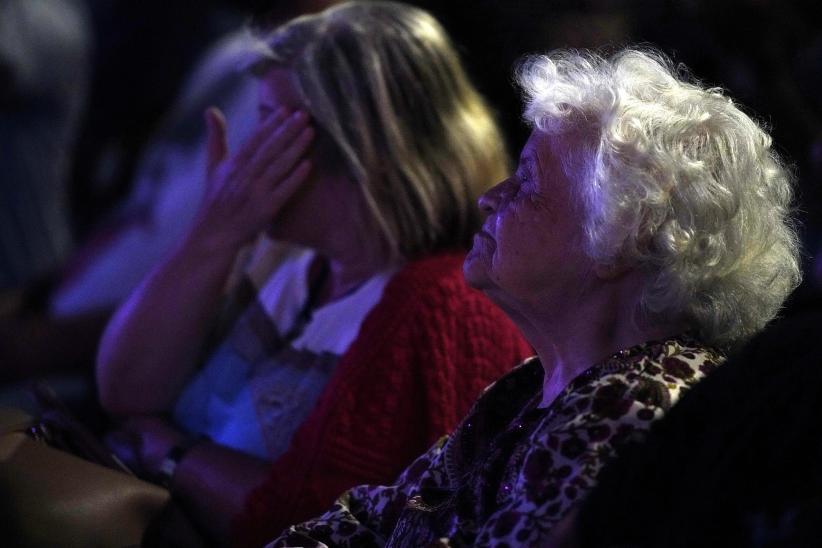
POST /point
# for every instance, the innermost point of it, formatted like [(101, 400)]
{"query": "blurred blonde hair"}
[(383, 80)]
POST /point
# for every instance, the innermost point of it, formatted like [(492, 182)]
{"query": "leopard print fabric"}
[(512, 470)]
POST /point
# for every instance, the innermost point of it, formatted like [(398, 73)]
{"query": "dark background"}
[(766, 53)]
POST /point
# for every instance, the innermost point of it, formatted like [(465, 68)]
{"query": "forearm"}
[(149, 348), (213, 482)]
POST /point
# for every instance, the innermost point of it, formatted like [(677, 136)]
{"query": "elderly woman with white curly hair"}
[(646, 231)]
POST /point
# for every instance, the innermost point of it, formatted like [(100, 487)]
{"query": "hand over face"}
[(247, 190)]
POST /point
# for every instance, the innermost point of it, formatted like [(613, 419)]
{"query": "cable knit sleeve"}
[(422, 357)]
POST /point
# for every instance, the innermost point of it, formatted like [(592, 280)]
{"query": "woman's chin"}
[(474, 270)]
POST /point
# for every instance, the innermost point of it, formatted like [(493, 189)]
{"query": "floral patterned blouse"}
[(512, 470)]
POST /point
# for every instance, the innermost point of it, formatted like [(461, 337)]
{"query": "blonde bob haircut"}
[(384, 82), (676, 180)]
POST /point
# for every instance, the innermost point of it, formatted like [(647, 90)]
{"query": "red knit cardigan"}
[(422, 357)]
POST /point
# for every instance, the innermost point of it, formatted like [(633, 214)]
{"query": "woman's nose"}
[(489, 201)]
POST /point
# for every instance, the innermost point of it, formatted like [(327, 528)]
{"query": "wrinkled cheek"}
[(504, 259), (515, 253), (512, 238)]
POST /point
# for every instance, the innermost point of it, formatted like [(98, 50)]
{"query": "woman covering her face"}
[(360, 344), (645, 231)]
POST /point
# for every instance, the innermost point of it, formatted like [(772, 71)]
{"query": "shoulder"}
[(429, 317), (430, 275), (436, 285), (612, 404), (504, 398), (626, 393), (522, 380), (670, 365)]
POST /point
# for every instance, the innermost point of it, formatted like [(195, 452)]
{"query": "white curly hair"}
[(675, 180)]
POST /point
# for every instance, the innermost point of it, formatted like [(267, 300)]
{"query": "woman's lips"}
[(483, 239)]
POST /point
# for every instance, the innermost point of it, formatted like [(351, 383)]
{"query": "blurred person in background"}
[(50, 330), (45, 48), (45, 55)]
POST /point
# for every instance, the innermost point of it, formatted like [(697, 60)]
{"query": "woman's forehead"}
[(539, 149)]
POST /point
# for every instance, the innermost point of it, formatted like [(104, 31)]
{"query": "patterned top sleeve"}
[(584, 429), (364, 516), (563, 461), (513, 469)]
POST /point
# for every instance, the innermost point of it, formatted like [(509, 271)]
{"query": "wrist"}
[(173, 458), (203, 254), (210, 237), (206, 240)]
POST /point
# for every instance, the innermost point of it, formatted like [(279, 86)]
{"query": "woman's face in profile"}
[(530, 247)]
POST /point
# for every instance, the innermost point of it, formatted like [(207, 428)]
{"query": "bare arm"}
[(211, 480), (149, 348)]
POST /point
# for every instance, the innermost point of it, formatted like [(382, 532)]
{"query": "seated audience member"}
[(734, 464), (167, 186), (166, 189), (54, 335), (364, 344), (45, 49), (645, 231), (45, 54), (50, 330)]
